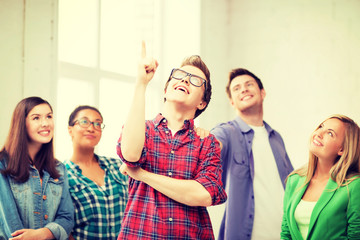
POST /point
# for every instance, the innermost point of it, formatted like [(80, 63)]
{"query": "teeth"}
[(316, 142), (182, 89), (246, 97)]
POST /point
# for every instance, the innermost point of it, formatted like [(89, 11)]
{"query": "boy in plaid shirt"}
[(174, 174)]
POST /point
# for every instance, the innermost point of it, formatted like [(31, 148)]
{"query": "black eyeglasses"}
[(179, 74), (85, 123)]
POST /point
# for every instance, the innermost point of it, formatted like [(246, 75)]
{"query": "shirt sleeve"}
[(10, 219), (353, 213), (221, 135), (209, 174), (285, 231), (143, 154), (64, 220)]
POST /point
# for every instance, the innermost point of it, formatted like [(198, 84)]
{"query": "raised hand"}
[(147, 66)]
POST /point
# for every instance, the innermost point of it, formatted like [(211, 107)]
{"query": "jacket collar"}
[(245, 128), (325, 197)]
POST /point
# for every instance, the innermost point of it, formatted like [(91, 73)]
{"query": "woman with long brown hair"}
[(33, 183), (322, 199)]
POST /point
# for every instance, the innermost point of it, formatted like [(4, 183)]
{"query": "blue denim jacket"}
[(38, 205)]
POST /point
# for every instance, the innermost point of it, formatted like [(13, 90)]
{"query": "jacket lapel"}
[(325, 197), (291, 210)]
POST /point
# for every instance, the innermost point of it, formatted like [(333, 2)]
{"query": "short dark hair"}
[(196, 61), (77, 110), (238, 72)]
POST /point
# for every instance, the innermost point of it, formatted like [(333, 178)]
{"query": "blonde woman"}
[(322, 199)]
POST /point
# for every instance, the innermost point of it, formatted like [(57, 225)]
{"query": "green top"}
[(336, 214)]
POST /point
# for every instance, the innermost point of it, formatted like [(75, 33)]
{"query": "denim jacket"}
[(38, 205)]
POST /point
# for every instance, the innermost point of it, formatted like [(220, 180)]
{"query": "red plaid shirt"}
[(150, 214)]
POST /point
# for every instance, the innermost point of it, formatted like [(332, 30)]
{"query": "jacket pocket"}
[(240, 165)]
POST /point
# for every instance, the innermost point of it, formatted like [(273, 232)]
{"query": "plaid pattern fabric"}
[(151, 215), (98, 211)]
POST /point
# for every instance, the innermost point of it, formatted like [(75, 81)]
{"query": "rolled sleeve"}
[(57, 230), (209, 175), (131, 164)]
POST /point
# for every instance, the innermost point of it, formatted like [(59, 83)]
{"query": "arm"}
[(285, 232), (64, 219), (188, 192), (133, 134), (10, 219), (353, 212)]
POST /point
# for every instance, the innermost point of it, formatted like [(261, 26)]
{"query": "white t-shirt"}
[(268, 189), (302, 216)]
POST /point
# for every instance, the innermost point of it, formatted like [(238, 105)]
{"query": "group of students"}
[(168, 174)]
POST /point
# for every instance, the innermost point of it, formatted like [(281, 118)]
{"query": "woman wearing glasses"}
[(97, 188), (34, 201)]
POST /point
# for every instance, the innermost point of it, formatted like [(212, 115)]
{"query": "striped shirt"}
[(98, 210), (150, 214)]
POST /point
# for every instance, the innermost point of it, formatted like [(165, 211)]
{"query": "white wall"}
[(28, 54)]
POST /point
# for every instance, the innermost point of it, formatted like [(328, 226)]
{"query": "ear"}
[(70, 130), (263, 93), (340, 152), (201, 105)]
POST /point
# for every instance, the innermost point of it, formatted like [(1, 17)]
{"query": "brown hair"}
[(238, 72), (196, 61), (15, 149)]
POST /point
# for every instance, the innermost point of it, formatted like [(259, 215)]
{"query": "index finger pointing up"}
[(143, 49)]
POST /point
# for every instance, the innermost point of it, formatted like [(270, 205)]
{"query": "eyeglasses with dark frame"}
[(195, 80), (85, 123)]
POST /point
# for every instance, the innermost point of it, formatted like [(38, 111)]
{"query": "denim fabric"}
[(47, 204), (9, 217)]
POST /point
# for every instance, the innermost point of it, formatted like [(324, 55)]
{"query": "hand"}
[(203, 133), (147, 66), (133, 172), (32, 234)]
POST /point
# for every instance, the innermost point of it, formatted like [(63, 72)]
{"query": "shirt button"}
[(250, 216), (170, 219), (167, 132), (172, 151), (170, 174), (44, 197), (46, 217)]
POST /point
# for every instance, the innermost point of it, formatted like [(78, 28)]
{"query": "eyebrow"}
[(37, 114), (247, 81)]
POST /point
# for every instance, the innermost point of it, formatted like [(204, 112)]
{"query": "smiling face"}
[(185, 93), (40, 124), (87, 137), (327, 140), (245, 93)]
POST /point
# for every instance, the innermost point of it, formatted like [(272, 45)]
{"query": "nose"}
[(91, 127), (45, 122), (244, 89), (186, 80), (320, 133)]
